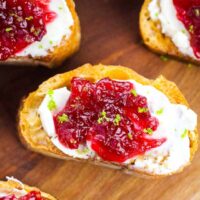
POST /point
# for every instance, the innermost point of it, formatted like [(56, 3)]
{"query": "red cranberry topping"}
[(22, 23), (30, 196), (188, 12), (111, 116)]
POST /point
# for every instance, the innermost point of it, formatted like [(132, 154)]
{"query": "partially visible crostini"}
[(40, 44), (164, 33), (34, 136), (14, 187)]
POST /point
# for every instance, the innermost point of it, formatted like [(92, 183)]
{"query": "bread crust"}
[(11, 184), (67, 47), (155, 40), (34, 137)]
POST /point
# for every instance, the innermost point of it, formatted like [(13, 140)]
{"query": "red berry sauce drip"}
[(111, 116), (188, 12), (30, 196), (22, 22)]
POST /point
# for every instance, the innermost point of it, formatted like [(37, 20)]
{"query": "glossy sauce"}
[(22, 23), (188, 12), (111, 116)]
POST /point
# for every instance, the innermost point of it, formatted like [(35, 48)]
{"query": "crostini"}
[(112, 116), (35, 32), (172, 27), (13, 189)]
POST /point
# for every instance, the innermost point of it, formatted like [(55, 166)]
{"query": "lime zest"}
[(148, 131), (8, 29), (142, 110), (51, 104), (63, 118), (130, 136), (103, 117), (160, 111), (117, 120), (184, 134), (134, 93)]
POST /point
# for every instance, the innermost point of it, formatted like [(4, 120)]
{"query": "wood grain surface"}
[(110, 35)]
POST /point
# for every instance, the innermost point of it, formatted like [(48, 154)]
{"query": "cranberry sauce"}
[(109, 114), (30, 196), (188, 12), (22, 22)]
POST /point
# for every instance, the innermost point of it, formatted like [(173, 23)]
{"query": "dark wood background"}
[(110, 35)]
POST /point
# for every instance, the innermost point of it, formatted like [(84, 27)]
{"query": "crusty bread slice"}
[(154, 39), (55, 58), (33, 135), (12, 184)]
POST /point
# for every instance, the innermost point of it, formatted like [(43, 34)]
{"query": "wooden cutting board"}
[(110, 35)]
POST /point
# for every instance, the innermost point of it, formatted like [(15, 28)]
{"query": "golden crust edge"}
[(155, 40), (67, 47), (97, 72), (9, 185)]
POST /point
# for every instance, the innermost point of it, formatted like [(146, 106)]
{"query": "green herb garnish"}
[(142, 110), (117, 120), (63, 118), (134, 93), (148, 131)]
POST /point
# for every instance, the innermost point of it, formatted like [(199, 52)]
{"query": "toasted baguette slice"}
[(33, 135), (13, 186), (67, 47), (154, 39)]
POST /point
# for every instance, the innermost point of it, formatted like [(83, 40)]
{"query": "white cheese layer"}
[(175, 121), (60, 97), (56, 30), (17, 192), (171, 26)]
